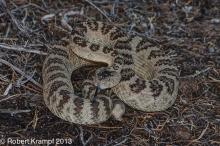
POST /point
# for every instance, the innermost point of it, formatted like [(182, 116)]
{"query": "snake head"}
[(106, 77)]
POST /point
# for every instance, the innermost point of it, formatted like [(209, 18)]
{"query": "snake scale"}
[(143, 75)]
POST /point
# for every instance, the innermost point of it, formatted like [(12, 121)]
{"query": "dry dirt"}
[(191, 27)]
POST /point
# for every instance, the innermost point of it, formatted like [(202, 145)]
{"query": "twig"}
[(35, 119), (8, 39), (3, 3), (82, 138), (47, 17), (20, 81), (118, 143), (203, 132), (13, 112), (7, 31), (20, 26), (98, 10), (7, 98), (20, 72), (7, 89), (125, 138), (214, 80), (122, 142), (65, 18), (196, 74), (214, 142), (28, 5), (200, 136), (19, 48)]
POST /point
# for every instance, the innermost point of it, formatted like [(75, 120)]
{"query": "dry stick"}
[(122, 142), (7, 98), (20, 26), (19, 48), (20, 72), (82, 138), (13, 112), (214, 80), (200, 136), (98, 9), (8, 39), (7, 89), (196, 74), (214, 142), (35, 119)]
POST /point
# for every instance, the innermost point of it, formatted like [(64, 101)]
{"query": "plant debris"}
[(191, 27)]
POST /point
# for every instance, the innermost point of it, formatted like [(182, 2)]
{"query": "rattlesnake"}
[(143, 75)]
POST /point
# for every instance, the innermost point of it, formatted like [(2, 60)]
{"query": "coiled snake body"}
[(141, 74)]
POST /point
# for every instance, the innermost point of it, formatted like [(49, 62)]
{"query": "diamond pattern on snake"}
[(143, 75)]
